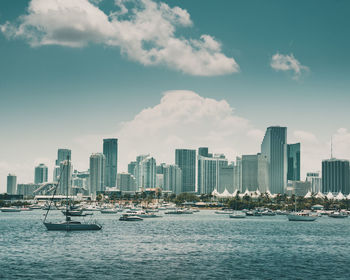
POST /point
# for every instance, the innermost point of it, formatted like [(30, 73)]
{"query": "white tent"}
[(269, 193), (319, 195), (225, 194), (348, 196), (245, 193), (235, 193), (329, 196), (340, 196), (255, 194), (308, 195), (215, 193)]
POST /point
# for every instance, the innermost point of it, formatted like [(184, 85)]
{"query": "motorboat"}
[(130, 218), (178, 212), (109, 211), (238, 215), (224, 211), (255, 213), (268, 213), (10, 209), (143, 214), (301, 217), (338, 214)]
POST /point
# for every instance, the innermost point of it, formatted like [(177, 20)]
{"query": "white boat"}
[(338, 215), (10, 209), (301, 217), (225, 211), (109, 211), (143, 214), (178, 212), (238, 215), (130, 218)]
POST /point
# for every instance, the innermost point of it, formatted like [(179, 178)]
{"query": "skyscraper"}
[(172, 179), (274, 147), (293, 154), (110, 150), (126, 182), (226, 178), (40, 174), (315, 180), (63, 154), (131, 167), (97, 173), (203, 151), (146, 172), (65, 182), (254, 173), (186, 160), (11, 184), (209, 173), (237, 174), (335, 176)]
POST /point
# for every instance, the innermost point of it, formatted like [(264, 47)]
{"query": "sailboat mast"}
[(67, 181)]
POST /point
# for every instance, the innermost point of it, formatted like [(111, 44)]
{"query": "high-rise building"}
[(145, 172), (27, 189), (65, 181), (274, 147), (209, 173), (126, 182), (97, 173), (160, 168), (172, 179), (335, 176), (203, 151), (186, 160), (237, 174), (56, 173), (11, 184), (254, 173), (110, 150), (131, 168), (62, 155), (40, 174), (226, 178), (315, 180), (293, 154)]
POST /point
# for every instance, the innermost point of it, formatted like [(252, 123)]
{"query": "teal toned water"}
[(199, 246)]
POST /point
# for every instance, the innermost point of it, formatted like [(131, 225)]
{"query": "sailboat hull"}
[(71, 226), (299, 218)]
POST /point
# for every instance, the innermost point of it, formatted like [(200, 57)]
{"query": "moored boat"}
[(130, 218), (301, 217), (10, 209), (338, 214), (238, 215)]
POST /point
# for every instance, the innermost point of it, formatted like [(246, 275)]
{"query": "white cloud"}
[(182, 119), (145, 33), (281, 62)]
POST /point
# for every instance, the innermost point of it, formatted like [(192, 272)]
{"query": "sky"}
[(160, 75)]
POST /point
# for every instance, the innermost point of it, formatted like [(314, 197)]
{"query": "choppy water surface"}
[(199, 246)]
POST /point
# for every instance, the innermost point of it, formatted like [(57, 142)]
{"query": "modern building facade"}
[(335, 176), (62, 155), (110, 150), (293, 154), (11, 184), (315, 180), (27, 189), (209, 173), (126, 182), (186, 160), (145, 172), (255, 173), (274, 148), (40, 174), (131, 167), (65, 182), (172, 180), (237, 174), (226, 178), (97, 173)]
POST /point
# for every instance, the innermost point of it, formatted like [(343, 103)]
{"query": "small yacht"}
[(10, 209), (301, 217), (224, 211), (338, 214), (109, 211), (178, 212), (238, 215), (130, 218)]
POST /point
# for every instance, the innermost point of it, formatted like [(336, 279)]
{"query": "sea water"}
[(199, 246)]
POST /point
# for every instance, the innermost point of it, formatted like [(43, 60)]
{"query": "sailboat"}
[(300, 216), (68, 224)]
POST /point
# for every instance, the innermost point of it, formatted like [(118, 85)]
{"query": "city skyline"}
[(71, 88)]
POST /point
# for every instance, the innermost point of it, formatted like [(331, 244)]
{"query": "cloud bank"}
[(144, 30), (281, 62)]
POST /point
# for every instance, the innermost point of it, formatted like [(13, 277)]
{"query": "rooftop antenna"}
[(331, 147)]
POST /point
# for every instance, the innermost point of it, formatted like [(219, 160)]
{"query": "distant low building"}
[(126, 182), (27, 189)]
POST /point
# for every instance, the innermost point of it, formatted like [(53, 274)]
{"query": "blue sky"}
[(54, 95)]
